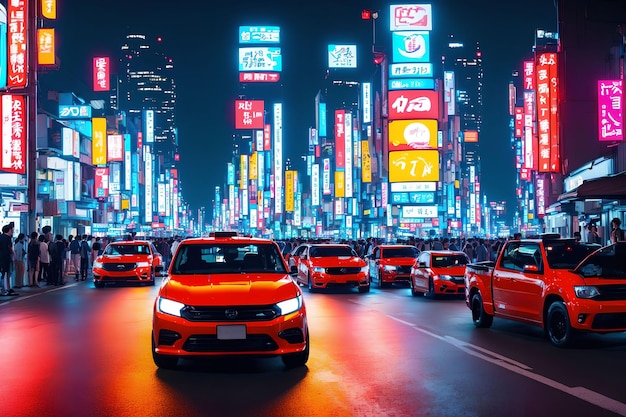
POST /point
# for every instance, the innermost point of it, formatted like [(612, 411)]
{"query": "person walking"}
[(617, 233), (482, 253), (32, 256), (57, 253), (6, 258), (74, 249), (19, 254), (44, 260), (85, 251)]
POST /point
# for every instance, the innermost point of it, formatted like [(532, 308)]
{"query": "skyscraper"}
[(145, 82)]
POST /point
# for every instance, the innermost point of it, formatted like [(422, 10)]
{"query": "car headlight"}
[(445, 277), (97, 264), (143, 264), (319, 269), (584, 291), (170, 307), (289, 306), (390, 268)]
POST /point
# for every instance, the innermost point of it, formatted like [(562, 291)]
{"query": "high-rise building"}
[(145, 82)]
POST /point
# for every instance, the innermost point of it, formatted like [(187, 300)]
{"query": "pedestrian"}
[(617, 233), (74, 249), (96, 247), (6, 258), (44, 260), (453, 244), (85, 251), (57, 253), (482, 253), (32, 256), (19, 254)]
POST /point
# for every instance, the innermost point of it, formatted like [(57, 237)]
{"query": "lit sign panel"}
[(259, 34), (411, 70), (541, 196), (406, 135), (366, 162), (409, 166), (340, 133), (339, 184), (413, 104), (260, 59), (519, 121), (18, 41), (411, 46), (348, 154), (547, 107), (49, 9), (259, 77), (127, 163), (3, 52), (529, 75), (326, 176), (148, 186), (115, 148), (289, 191), (322, 120), (249, 114), (13, 134), (101, 71), (417, 187), (45, 46), (449, 92), (419, 212), (412, 84), (74, 112), (342, 56), (315, 185), (411, 17), (278, 157), (98, 141), (610, 119), (366, 93), (470, 136), (101, 182), (149, 125)]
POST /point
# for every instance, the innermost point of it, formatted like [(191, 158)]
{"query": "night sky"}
[(202, 39)]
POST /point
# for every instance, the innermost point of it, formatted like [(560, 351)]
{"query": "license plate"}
[(233, 332)]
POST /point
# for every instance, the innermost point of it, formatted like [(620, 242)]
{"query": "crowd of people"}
[(47, 259)]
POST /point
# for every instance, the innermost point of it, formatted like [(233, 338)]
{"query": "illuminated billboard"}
[(259, 34), (101, 182), (340, 161), (547, 109), (342, 56), (259, 77), (418, 69), (278, 157), (18, 43), (249, 114), (101, 71), (366, 102), (115, 148), (260, 59), (411, 46), (470, 136), (49, 9), (410, 166), (366, 162), (413, 104), (45, 46), (411, 17), (406, 135), (13, 134), (74, 111), (411, 84), (98, 141), (149, 125), (610, 115)]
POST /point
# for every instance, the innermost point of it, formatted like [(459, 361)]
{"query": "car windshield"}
[(399, 253), (113, 249), (443, 261), (328, 251), (608, 262), (227, 258), (567, 254)]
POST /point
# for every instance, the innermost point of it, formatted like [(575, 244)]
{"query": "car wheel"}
[(310, 283), (479, 317), (98, 284), (364, 288), (431, 289), (163, 361), (558, 327), (414, 291), (293, 360)]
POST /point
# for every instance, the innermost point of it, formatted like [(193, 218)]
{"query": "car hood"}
[(338, 261), (230, 289), (453, 271), (397, 261)]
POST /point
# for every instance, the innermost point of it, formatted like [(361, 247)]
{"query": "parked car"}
[(294, 258), (560, 285), (391, 263), (134, 261), (229, 295), (438, 272), (330, 265)]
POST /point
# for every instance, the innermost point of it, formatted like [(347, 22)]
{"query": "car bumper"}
[(395, 277), (598, 316), (137, 275), (322, 280), (180, 337), (443, 286)]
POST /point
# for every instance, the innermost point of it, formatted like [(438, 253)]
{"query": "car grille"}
[(343, 271), (611, 293), (403, 269), (609, 321), (233, 313), (458, 280), (119, 267), (210, 343)]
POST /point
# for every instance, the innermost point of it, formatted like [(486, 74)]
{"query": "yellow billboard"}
[(289, 194), (253, 166), (49, 9), (99, 141), (340, 187), (366, 162), (411, 166), (45, 46), (406, 135)]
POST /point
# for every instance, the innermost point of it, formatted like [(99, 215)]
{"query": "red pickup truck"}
[(561, 285)]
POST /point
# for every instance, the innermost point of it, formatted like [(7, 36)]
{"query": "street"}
[(80, 351)]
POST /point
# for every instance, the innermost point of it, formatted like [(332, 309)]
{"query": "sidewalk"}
[(43, 287)]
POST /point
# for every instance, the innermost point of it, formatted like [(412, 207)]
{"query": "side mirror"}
[(421, 265), (531, 268), (293, 270)]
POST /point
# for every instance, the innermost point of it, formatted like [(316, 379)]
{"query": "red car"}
[(328, 265), (439, 272), (391, 263), (135, 261)]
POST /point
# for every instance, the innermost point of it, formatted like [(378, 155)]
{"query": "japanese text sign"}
[(260, 59), (98, 141), (413, 104), (610, 115), (411, 46), (342, 56), (411, 17), (18, 41), (249, 114), (405, 135), (45, 46), (13, 134), (409, 166), (101, 74)]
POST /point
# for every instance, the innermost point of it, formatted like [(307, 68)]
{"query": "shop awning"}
[(609, 188)]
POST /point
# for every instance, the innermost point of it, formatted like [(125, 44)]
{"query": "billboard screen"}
[(45, 46), (610, 115), (413, 104), (340, 138), (259, 77), (411, 46), (98, 141), (13, 134), (470, 136), (249, 114), (410, 166), (342, 56), (18, 40), (115, 148), (411, 70), (259, 34), (405, 135), (411, 17), (101, 72), (260, 59)]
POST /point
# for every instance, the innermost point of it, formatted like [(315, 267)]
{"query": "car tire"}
[(364, 288), (414, 292), (98, 284), (480, 318), (431, 289), (558, 327), (310, 283), (163, 361), (294, 360)]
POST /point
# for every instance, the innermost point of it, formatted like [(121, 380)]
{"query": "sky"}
[(201, 37)]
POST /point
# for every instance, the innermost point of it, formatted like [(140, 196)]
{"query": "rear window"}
[(440, 261), (113, 249), (399, 253), (328, 251), (567, 254), (227, 258)]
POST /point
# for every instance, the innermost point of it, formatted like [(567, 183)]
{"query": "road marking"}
[(581, 393)]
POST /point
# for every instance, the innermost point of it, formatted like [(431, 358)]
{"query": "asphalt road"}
[(80, 351)]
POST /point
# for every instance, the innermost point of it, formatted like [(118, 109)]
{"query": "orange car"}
[(439, 272), (326, 265), (391, 263), (228, 295), (135, 261)]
